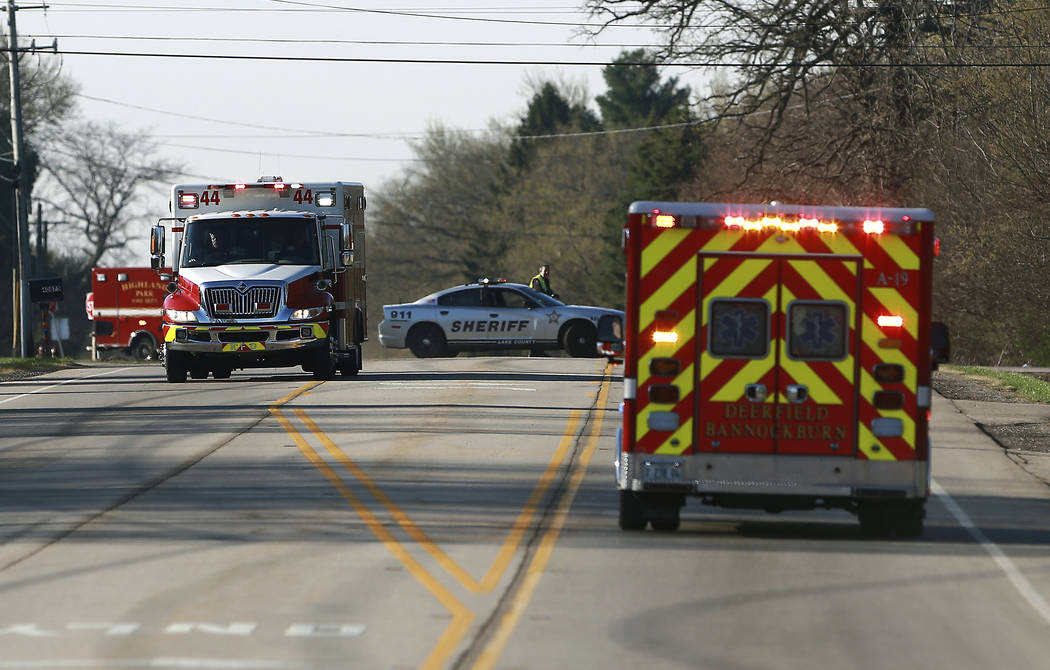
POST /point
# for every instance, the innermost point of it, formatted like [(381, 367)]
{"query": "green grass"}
[(1023, 386), (34, 364)]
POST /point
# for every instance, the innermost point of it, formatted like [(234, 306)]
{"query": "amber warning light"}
[(890, 321)]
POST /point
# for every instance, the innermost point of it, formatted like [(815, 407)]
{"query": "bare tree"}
[(98, 178), (863, 60)]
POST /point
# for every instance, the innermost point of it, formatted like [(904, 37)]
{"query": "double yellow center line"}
[(462, 616)]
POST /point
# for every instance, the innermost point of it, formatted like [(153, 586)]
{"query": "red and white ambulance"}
[(264, 274), (777, 357)]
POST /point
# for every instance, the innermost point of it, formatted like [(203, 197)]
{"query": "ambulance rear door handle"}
[(756, 392), (797, 393)]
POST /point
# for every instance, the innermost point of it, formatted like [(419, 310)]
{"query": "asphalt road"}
[(460, 513)]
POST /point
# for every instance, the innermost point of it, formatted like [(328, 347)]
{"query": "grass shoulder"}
[(1025, 387), (28, 367)]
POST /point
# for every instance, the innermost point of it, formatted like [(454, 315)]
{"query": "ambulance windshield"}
[(283, 241)]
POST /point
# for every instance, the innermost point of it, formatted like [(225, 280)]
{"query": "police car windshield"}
[(542, 298), (279, 240)]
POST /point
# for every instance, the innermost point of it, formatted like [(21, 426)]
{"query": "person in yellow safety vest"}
[(542, 281)]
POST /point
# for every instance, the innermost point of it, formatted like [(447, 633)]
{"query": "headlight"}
[(308, 313), (180, 316)]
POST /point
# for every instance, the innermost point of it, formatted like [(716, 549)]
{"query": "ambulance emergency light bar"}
[(779, 217), (192, 200)]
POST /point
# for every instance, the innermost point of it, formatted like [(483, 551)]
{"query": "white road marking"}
[(444, 385), (47, 388), (1016, 577), (202, 663)]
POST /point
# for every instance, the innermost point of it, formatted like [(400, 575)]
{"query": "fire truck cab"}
[(777, 357)]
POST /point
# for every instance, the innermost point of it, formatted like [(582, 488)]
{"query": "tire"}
[(175, 367), (426, 340), (222, 373), (351, 369), (874, 520), (907, 518), (143, 348), (198, 372), (580, 340), (903, 519), (665, 518), (632, 511), (323, 366)]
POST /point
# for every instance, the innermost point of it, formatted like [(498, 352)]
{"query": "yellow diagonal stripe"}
[(735, 387), (899, 251), (656, 250), (663, 297), (897, 304), (686, 328)]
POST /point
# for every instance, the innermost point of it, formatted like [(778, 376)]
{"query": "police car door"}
[(460, 313), (778, 353), (518, 314)]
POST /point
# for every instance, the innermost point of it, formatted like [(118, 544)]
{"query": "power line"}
[(319, 8), (285, 155), (560, 63), (272, 40), (398, 136)]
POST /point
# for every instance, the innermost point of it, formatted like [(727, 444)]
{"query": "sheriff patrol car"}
[(491, 316)]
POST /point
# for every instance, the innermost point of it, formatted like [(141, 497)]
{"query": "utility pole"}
[(21, 185)]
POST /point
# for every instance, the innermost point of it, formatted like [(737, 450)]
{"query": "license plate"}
[(662, 471)]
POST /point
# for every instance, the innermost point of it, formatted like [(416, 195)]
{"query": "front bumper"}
[(392, 335), (255, 341)]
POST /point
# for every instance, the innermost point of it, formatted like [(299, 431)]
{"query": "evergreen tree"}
[(636, 96)]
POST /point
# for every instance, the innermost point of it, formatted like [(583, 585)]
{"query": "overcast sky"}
[(228, 120)]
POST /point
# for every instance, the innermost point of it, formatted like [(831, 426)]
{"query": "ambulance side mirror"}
[(940, 344), (156, 247)]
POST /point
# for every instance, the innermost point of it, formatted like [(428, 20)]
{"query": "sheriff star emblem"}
[(553, 316)]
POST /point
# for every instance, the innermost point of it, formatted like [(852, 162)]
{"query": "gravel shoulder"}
[(1021, 428)]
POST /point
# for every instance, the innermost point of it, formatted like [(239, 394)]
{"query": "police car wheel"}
[(427, 341), (580, 339)]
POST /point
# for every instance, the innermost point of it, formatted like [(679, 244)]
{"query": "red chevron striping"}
[(665, 269), (683, 304)]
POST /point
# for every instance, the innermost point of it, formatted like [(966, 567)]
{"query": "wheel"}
[(222, 373), (143, 348), (175, 366), (907, 518), (198, 372), (632, 511), (665, 518), (580, 340), (897, 518), (427, 341), (874, 520), (352, 368), (323, 366)]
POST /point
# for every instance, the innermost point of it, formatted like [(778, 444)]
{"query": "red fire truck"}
[(777, 357), (127, 307)]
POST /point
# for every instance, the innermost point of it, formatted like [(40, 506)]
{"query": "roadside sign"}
[(45, 290)]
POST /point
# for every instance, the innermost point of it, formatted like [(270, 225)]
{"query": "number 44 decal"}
[(300, 197)]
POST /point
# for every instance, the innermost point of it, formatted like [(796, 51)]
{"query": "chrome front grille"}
[(257, 302)]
